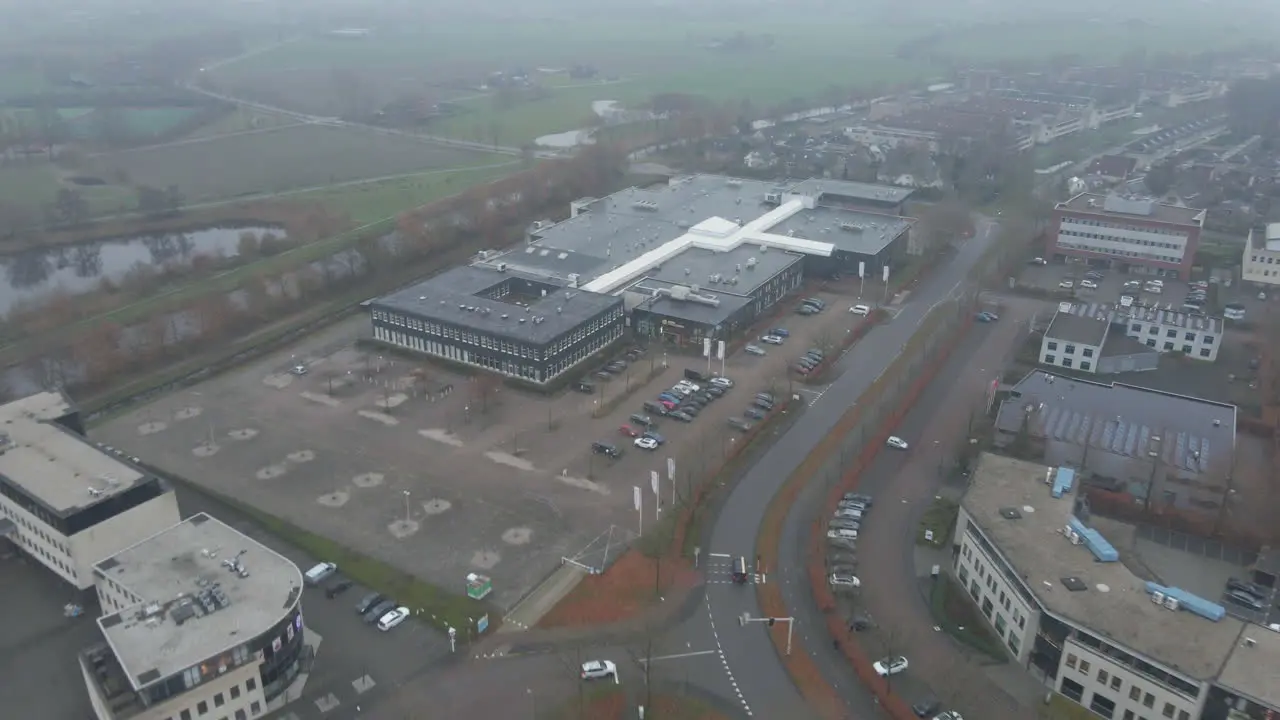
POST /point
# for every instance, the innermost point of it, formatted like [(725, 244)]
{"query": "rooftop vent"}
[(1010, 513), (1074, 584)]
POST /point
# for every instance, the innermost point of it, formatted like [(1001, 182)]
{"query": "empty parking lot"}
[(438, 473)]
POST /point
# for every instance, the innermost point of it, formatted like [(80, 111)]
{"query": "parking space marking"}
[(327, 703), (363, 684)]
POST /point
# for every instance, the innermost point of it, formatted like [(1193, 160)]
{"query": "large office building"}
[(699, 258), (1053, 589), (65, 502), (199, 621), (1174, 449), (1132, 236)]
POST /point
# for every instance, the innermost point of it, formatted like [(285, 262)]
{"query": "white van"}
[(317, 574)]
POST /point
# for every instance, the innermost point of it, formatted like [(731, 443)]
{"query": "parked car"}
[(337, 588), (806, 310), (860, 310), (948, 715), (367, 602), (629, 431), (393, 618), (645, 443), (843, 524), (603, 448), (896, 443), (1066, 284), (739, 424), (716, 391), (643, 421), (1246, 587), (864, 499), (723, 382), (376, 612), (780, 332), (848, 515), (840, 534), (321, 572), (843, 569), (681, 416), (599, 669), (654, 407), (765, 396), (1244, 599), (1088, 285), (753, 413), (584, 387), (890, 666), (763, 404), (772, 339), (655, 437), (1037, 261), (844, 581), (926, 708), (754, 350), (691, 409)]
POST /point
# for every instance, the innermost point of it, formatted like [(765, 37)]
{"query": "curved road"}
[(747, 653)]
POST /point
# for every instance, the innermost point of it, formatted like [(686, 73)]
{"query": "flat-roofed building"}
[(1103, 338), (1174, 449), (66, 502), (1248, 687), (200, 621), (1056, 594), (1130, 235), (1261, 262)]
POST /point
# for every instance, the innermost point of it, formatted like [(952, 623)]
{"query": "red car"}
[(629, 431), (668, 405)]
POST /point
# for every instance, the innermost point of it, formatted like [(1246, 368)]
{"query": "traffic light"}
[(771, 622)]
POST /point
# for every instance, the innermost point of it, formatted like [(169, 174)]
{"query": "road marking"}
[(719, 555), (678, 656), (725, 661)]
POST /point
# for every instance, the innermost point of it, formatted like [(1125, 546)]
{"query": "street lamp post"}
[(407, 514)]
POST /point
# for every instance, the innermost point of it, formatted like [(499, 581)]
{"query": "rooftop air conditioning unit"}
[(1075, 538), (1157, 598), (1171, 602)]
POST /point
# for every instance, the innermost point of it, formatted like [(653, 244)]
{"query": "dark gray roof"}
[(1125, 420), (1118, 208), (617, 229), (851, 231), (691, 310), (454, 297), (1067, 327), (1149, 313), (869, 192), (1118, 344)]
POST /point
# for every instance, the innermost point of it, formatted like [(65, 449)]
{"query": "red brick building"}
[(1131, 236)]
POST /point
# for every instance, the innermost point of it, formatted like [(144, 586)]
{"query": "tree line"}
[(490, 216)]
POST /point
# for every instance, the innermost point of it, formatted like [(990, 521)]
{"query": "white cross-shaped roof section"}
[(718, 235)]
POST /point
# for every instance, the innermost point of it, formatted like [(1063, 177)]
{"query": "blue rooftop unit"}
[(1092, 539), (1193, 604), (1062, 481)]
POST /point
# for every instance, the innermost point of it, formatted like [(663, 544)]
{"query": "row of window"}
[(21, 500), (537, 373), (987, 608), (1138, 665), (1068, 363), (1268, 259), (1264, 273), (491, 342), (1068, 220), (219, 699), (1189, 336), (1116, 683), (1090, 247), (1070, 349)]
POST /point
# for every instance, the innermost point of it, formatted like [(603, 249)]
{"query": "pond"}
[(81, 268)]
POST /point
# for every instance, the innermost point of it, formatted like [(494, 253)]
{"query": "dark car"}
[(1246, 587), (1244, 599), (681, 416), (375, 613), (603, 448), (715, 392), (763, 404), (739, 424), (337, 588), (860, 622), (858, 497), (691, 409), (806, 310), (926, 708), (585, 387), (367, 602), (753, 413)]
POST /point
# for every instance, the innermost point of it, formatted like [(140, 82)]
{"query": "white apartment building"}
[(1053, 127), (1102, 116), (200, 623), (1261, 262), (65, 502), (1054, 591), (1198, 337)]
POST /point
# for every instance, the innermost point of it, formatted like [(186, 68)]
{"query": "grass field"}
[(308, 156), (36, 184), (649, 56), (371, 201), (240, 120)]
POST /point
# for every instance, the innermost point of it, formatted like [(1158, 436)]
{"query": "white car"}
[(1156, 282), (1154, 289), (896, 442), (299, 370), (688, 386), (860, 310), (848, 514), (1038, 261), (597, 669), (1088, 285), (754, 350), (771, 340), (723, 382), (845, 581), (842, 534), (890, 666), (393, 618), (1066, 285), (646, 443), (948, 715)]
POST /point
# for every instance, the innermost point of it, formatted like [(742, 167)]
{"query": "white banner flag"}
[(862, 269), (720, 351), (886, 273), (671, 469), (706, 347), (637, 494), (653, 481)]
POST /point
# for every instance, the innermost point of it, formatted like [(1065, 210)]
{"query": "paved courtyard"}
[(438, 473)]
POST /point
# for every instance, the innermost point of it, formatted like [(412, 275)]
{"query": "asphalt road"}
[(749, 657)]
